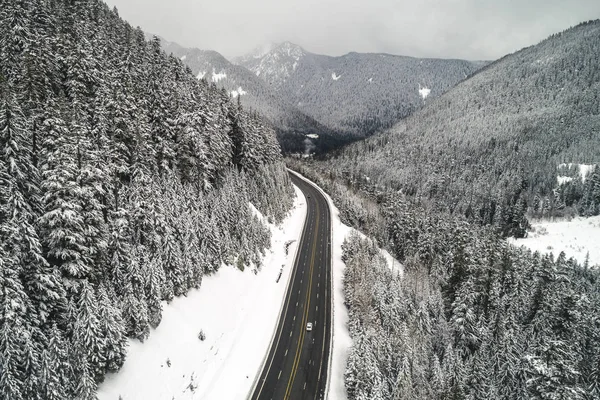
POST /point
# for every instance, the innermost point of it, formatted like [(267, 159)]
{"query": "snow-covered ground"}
[(576, 238), (238, 92), (584, 171), (238, 313), (216, 77)]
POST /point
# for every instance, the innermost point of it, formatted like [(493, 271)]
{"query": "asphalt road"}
[(296, 366)]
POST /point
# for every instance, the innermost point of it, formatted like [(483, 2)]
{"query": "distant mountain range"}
[(355, 93), (318, 102), (296, 131)]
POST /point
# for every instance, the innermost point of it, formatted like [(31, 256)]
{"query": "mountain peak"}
[(289, 48), (273, 62), (259, 52)]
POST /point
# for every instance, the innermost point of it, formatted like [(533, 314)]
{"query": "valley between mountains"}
[(176, 224)]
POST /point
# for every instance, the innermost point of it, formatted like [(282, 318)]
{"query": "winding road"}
[(297, 362)]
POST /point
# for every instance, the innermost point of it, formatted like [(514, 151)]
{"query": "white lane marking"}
[(317, 308), (294, 317), (291, 333), (279, 376), (317, 295), (296, 304), (304, 386), (286, 350)]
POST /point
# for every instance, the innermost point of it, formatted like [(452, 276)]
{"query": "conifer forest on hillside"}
[(123, 181), (127, 175)]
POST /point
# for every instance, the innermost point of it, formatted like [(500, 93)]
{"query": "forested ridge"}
[(470, 317), (473, 317), (123, 181), (490, 148)]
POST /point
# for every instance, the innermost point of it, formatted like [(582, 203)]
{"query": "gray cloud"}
[(469, 29)]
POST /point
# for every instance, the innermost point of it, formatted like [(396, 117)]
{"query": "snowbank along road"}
[(296, 366)]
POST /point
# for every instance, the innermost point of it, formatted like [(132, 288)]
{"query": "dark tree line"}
[(123, 181)]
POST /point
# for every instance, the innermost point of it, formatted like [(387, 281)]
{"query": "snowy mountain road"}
[(297, 363)]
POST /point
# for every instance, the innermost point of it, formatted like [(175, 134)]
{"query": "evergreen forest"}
[(123, 181)]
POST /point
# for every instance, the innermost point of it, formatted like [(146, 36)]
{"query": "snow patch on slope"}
[(312, 136), (216, 77), (563, 179), (238, 313), (201, 75), (183, 58), (335, 77), (584, 170), (238, 92), (576, 238), (424, 92)]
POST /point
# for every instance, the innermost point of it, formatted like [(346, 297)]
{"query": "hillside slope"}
[(489, 148), (123, 181), (472, 316), (355, 93)]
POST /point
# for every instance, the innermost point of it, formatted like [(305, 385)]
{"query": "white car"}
[(309, 326)]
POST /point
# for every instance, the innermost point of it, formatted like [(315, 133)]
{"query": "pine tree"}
[(88, 339), (54, 367), (113, 336), (15, 330), (63, 223)]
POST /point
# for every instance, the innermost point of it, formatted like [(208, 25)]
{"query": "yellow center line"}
[(290, 384)]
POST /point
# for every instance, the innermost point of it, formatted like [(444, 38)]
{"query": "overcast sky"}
[(468, 29)]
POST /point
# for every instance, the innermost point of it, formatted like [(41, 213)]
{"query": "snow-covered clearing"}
[(563, 179), (341, 340), (216, 77), (312, 136), (237, 311), (584, 170), (335, 77), (238, 92), (576, 238), (201, 75), (183, 58), (424, 92)]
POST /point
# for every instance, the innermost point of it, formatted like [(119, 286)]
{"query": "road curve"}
[(297, 363)]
